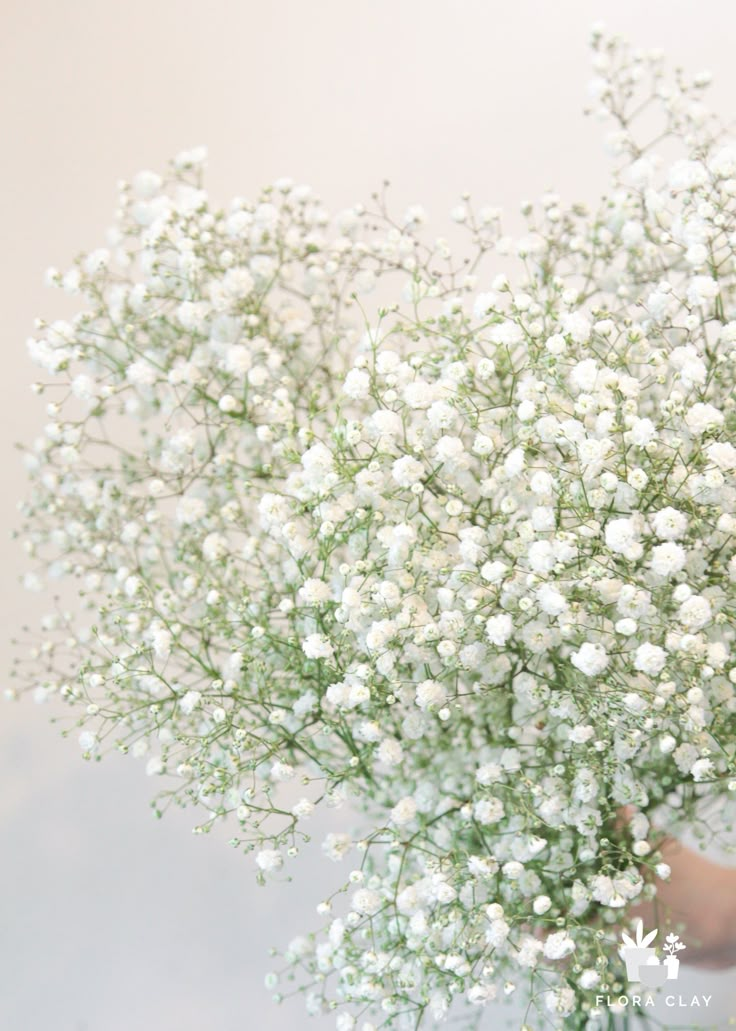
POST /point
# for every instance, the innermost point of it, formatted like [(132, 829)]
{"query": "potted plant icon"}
[(637, 952), (672, 945)]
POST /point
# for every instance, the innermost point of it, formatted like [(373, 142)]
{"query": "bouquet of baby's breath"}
[(460, 556)]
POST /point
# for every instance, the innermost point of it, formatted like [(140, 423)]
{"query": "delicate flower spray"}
[(464, 561)]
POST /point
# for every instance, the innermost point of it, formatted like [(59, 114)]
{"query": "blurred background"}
[(110, 919)]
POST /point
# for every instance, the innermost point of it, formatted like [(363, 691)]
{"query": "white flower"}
[(269, 860), (685, 756), (499, 629), (622, 537), (579, 735), (480, 994), (317, 461), (215, 547), (543, 518), (577, 326), (488, 811), (88, 741), (702, 769), (669, 524), (528, 955), (192, 158), (584, 374), (702, 289), (238, 360), (317, 646), (602, 890), (695, 612), (366, 902), (723, 162), (642, 432), (404, 811), (478, 866), (507, 333), (494, 572), (335, 846), (141, 373), (418, 395), (155, 766), (407, 471), (590, 659), (357, 384), (489, 773), (641, 848), (542, 557), (315, 591), (691, 368), (430, 694), (449, 449), (190, 701), (635, 702), (497, 933), (303, 809), (390, 752), (667, 744), (560, 1001), (559, 945), (84, 387), (589, 979), (703, 417), (483, 304), (650, 658), (281, 772), (387, 362), (637, 479), (161, 641), (722, 454), (146, 184), (687, 175), (190, 510), (551, 601), (556, 344), (668, 558)]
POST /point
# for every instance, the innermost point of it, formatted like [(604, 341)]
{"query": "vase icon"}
[(673, 967)]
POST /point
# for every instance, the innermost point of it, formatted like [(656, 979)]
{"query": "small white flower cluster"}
[(469, 565)]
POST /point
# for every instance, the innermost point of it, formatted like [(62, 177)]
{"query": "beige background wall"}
[(111, 921)]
